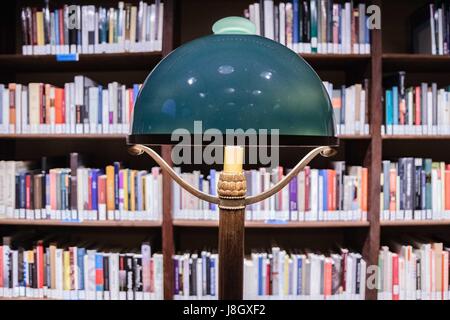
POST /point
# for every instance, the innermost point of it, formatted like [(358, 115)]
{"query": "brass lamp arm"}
[(139, 149), (324, 151)]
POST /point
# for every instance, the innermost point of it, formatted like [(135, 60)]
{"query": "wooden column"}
[(231, 190), (168, 246), (373, 156)]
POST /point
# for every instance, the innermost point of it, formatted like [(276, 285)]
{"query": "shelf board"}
[(142, 61), (412, 223), (415, 137), (62, 136), (354, 137), (261, 224), (336, 61), (416, 62), (58, 223)]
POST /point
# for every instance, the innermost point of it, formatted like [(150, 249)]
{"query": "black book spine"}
[(194, 276), (129, 273), (17, 199), (208, 275), (106, 273), (261, 17), (21, 271), (191, 277)]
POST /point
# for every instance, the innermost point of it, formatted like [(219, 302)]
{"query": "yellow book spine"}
[(143, 192), (132, 190), (40, 28), (53, 266), (110, 205), (286, 275), (125, 189), (111, 30), (66, 270)]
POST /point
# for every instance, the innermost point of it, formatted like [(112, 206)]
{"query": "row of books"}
[(417, 110), (196, 276), (351, 107), (314, 195), (419, 271), (278, 274), (415, 189), (313, 26), (80, 107), (431, 29), (74, 29), (79, 272), (78, 194)]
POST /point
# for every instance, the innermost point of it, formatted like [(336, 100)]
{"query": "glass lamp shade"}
[(233, 80)]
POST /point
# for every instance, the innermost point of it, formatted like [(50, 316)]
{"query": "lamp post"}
[(233, 80)]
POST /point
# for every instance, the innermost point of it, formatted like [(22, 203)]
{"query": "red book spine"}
[(268, 291), (40, 265), (28, 191), (327, 278), (418, 110), (395, 280), (447, 188), (330, 192), (61, 26)]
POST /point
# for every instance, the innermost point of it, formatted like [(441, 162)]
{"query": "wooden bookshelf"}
[(61, 223), (183, 22)]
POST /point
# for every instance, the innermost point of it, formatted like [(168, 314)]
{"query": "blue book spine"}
[(56, 18), (94, 190), (212, 187), (47, 190), (389, 111), (100, 104), (260, 276), (395, 105), (342, 104), (324, 175), (367, 31), (295, 22), (299, 276), (80, 263), (213, 277), (98, 270), (135, 93), (116, 185), (22, 191)]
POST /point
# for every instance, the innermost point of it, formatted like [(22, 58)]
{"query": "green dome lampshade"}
[(234, 79)]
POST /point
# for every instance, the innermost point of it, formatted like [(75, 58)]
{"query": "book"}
[(313, 26), (90, 29)]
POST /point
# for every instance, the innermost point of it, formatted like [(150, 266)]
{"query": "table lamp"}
[(233, 79)]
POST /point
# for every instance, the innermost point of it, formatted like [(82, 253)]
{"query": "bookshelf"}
[(184, 21)]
